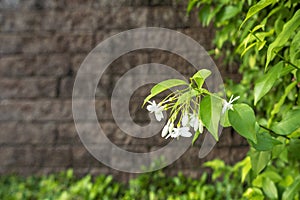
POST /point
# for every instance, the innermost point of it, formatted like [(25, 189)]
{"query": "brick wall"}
[(42, 46)]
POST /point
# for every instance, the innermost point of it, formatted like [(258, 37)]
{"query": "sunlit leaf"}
[(265, 83), (162, 86), (269, 188), (256, 8)]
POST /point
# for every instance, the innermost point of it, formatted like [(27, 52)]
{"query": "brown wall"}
[(42, 44)]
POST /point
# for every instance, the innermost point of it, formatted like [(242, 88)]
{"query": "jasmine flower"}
[(228, 105), (157, 109)]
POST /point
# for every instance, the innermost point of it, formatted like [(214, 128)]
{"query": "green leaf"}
[(196, 136), (292, 190), (253, 194), (227, 13), (278, 105), (204, 14), (259, 160), (298, 75), (289, 124), (269, 188), (295, 50), (200, 77), (293, 149), (265, 142), (162, 86), (256, 8), (287, 31), (224, 121), (243, 120), (210, 112), (248, 48), (246, 168), (266, 82)]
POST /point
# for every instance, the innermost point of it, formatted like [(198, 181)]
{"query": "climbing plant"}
[(262, 38)]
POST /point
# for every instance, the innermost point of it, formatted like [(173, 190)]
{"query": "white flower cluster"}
[(187, 120)]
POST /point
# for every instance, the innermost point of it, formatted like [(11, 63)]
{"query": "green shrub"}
[(223, 183)]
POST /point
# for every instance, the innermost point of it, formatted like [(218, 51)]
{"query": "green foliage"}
[(262, 37), (243, 120), (162, 86), (149, 186), (210, 113)]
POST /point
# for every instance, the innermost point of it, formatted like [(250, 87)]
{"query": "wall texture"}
[(42, 44)]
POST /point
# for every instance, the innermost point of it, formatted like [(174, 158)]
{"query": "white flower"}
[(171, 127), (200, 126), (194, 122), (157, 109), (165, 129), (228, 105), (181, 131), (185, 120)]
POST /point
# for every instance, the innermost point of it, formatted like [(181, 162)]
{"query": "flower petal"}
[(159, 116), (165, 130), (185, 120), (196, 124), (151, 108), (200, 126)]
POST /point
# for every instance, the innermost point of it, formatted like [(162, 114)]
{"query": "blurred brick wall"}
[(42, 44)]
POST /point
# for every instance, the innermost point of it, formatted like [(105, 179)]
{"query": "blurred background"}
[(43, 43)]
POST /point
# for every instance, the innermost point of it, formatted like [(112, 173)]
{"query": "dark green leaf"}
[(243, 120), (265, 142), (227, 13), (293, 148), (298, 75)]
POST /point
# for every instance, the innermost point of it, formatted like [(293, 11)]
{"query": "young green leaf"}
[(162, 86), (224, 121), (287, 31), (295, 50), (210, 112), (292, 190), (289, 124), (200, 77), (242, 119), (256, 8), (196, 136), (265, 83), (269, 188), (259, 160)]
